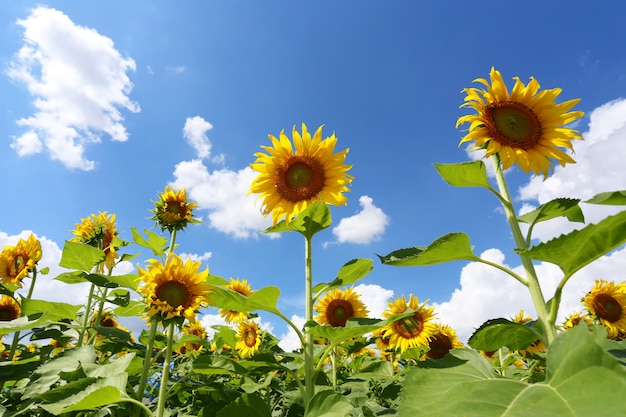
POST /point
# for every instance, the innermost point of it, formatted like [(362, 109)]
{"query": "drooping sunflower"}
[(243, 288), (197, 329), (100, 232), (606, 302), (338, 306), (9, 308), (412, 331), (172, 211), (442, 342), (16, 262), (291, 179), (524, 127), (248, 338), (174, 289)]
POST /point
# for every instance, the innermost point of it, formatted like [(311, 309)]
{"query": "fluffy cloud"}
[(365, 226), (375, 298), (289, 340), (195, 132), (78, 81)]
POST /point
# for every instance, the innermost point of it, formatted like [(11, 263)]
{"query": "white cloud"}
[(195, 132), (365, 226), (375, 298), (78, 81), (196, 257), (223, 193), (289, 340), (209, 320)]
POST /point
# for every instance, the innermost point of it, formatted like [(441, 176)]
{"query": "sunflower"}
[(523, 127), (243, 288), (289, 181), (248, 338), (99, 231), (338, 306), (382, 342), (574, 319), (607, 303), (9, 308), (196, 329), (16, 262), (173, 211), (412, 331), (175, 289), (537, 345), (442, 342)]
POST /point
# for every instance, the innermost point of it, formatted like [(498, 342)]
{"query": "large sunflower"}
[(338, 306), (248, 338), (9, 308), (175, 289), (99, 231), (412, 331), (523, 127), (173, 211), (290, 180), (242, 287), (16, 262), (607, 303), (442, 342)]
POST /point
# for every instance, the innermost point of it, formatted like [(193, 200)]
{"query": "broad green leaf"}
[(74, 277), (450, 247), (215, 280), (118, 366), (114, 281), (350, 273), (134, 308), (52, 310), (263, 299), (80, 256), (23, 323), (16, 370), (579, 248), (279, 227), (224, 336), (559, 207), (155, 242), (614, 198), (312, 219), (86, 394), (217, 365), (465, 174), (119, 297), (249, 405), (353, 328), (494, 334), (328, 403)]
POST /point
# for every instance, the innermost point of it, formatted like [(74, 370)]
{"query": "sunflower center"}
[(300, 178), (173, 293), (338, 312), (17, 264), (513, 124), (8, 313), (607, 308), (173, 208), (409, 327), (250, 337), (440, 345)]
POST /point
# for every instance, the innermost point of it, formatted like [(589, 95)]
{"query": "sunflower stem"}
[(166, 371), (16, 336), (147, 360), (81, 335), (309, 382), (531, 275)]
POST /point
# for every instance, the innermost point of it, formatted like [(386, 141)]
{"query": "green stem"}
[(147, 360), (508, 271), (333, 365), (138, 404), (309, 355), (166, 371), (16, 336), (81, 335), (531, 275), (556, 300)]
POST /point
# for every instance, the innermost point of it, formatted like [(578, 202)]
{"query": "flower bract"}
[(338, 306), (248, 338), (412, 331), (607, 303), (172, 211), (16, 262)]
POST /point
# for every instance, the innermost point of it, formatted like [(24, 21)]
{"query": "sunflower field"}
[(78, 360)]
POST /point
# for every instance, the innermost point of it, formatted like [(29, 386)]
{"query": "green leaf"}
[(328, 403), (579, 248), (494, 334), (217, 365), (449, 247), (155, 243), (312, 219), (80, 256), (52, 310), (614, 198), (264, 299), (114, 281), (353, 328), (74, 277), (350, 273), (249, 405), (466, 174), (134, 308), (86, 394), (559, 207), (279, 227), (23, 323)]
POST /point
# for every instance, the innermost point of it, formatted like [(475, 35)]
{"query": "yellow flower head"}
[(248, 338), (99, 231), (574, 319), (173, 211), (9, 308), (443, 341), (607, 303), (243, 288), (175, 289), (381, 341), (412, 331), (525, 127), (521, 317), (338, 306), (16, 262), (537, 345), (290, 180), (197, 329)]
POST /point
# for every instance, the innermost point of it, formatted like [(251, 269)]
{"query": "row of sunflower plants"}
[(76, 359)]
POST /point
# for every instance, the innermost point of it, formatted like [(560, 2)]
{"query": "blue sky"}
[(105, 103)]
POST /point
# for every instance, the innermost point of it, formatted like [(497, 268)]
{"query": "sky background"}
[(103, 104)]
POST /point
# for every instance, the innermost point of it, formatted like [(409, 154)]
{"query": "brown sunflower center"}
[(249, 337), (338, 312), (108, 322), (513, 124), (409, 327), (439, 345), (17, 264), (8, 313), (300, 178), (173, 293), (174, 207), (607, 308)]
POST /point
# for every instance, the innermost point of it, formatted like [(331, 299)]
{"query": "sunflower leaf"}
[(312, 219), (614, 198), (328, 403), (446, 248), (246, 405), (559, 207), (155, 242), (493, 334), (264, 299), (349, 273), (52, 310), (80, 256), (465, 174), (579, 248)]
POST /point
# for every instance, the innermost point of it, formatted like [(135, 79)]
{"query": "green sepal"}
[(449, 247), (465, 174)]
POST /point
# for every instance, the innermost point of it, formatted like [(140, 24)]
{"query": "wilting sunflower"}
[(442, 342), (574, 319), (243, 288), (338, 306), (607, 303), (290, 180), (197, 329), (248, 338), (100, 232), (175, 289), (16, 262), (9, 308), (524, 127), (412, 331), (173, 211)]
